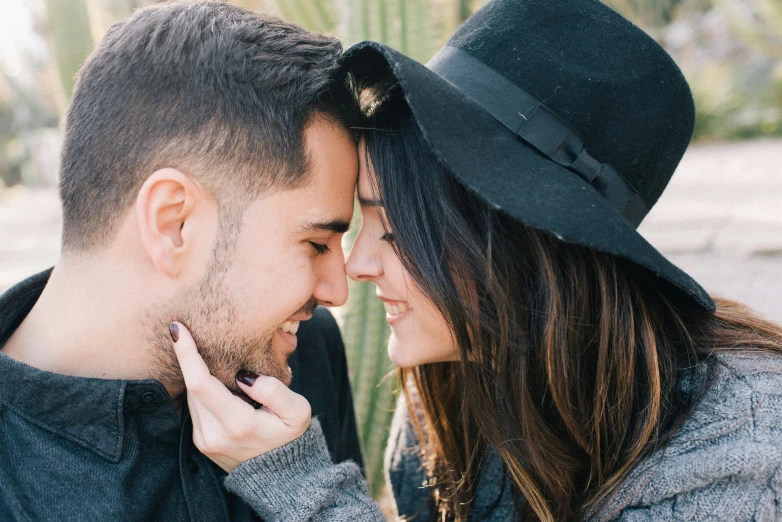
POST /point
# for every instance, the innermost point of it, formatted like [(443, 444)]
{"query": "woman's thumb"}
[(292, 408)]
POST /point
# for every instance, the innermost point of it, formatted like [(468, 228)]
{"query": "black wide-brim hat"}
[(562, 114)]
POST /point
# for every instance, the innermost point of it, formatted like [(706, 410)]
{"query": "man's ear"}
[(165, 202)]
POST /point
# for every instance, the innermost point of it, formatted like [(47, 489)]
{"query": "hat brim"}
[(509, 174)]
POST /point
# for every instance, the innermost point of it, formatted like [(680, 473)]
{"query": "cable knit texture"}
[(722, 465), (298, 482)]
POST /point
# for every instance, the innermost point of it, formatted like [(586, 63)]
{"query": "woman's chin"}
[(403, 354), (398, 359), (411, 354)]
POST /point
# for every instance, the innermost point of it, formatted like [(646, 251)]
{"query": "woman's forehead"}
[(367, 183)]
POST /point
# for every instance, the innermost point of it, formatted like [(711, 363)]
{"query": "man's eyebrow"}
[(370, 202), (338, 226)]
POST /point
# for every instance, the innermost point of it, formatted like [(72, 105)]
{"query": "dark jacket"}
[(73, 448)]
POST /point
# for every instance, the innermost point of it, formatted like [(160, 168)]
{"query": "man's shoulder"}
[(17, 301), (23, 291)]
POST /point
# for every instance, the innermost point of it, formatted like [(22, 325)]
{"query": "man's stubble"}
[(209, 311)]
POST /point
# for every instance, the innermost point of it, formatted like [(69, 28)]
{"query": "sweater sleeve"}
[(298, 482)]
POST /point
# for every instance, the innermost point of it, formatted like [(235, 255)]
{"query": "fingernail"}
[(173, 329), (247, 378)]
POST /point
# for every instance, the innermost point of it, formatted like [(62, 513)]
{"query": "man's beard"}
[(210, 315)]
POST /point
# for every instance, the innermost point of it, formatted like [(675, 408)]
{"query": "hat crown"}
[(599, 73)]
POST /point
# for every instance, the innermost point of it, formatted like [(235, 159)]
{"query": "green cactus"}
[(71, 39), (402, 24), (407, 26), (366, 337)]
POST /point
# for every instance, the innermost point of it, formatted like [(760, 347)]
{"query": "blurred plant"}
[(731, 54), (365, 332), (416, 28), (408, 26), (757, 22), (316, 15), (23, 121), (71, 38), (646, 13), (403, 24), (27, 111)]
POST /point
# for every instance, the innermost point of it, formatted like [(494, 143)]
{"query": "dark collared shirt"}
[(73, 448)]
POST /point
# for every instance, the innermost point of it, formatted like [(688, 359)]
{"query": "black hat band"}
[(533, 122)]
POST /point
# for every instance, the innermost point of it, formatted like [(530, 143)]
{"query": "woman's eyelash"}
[(388, 236), (319, 248)]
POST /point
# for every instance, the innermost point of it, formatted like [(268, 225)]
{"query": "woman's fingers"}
[(292, 409), (225, 428), (200, 383)]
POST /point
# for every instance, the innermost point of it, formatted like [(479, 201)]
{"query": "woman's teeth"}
[(396, 309), (290, 326)]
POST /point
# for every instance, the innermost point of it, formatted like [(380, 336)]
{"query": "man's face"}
[(287, 258)]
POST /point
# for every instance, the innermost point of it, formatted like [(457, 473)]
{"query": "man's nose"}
[(332, 287)]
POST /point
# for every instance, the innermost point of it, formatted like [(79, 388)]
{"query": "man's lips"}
[(290, 327), (288, 337), (300, 317)]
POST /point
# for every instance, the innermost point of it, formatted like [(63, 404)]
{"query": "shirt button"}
[(148, 398), (192, 466)]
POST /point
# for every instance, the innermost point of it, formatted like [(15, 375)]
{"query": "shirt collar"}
[(87, 411)]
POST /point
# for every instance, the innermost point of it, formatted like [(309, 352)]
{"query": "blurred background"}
[(720, 218)]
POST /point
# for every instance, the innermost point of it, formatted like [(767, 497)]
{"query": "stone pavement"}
[(720, 220)]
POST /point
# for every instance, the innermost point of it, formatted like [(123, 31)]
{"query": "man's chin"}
[(285, 376), (281, 373)]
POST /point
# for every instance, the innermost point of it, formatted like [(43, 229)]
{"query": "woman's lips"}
[(395, 310)]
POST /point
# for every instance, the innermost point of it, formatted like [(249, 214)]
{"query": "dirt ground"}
[(720, 220)]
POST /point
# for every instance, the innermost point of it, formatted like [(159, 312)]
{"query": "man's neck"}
[(87, 323)]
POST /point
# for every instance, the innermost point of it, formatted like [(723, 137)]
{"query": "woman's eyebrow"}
[(364, 202)]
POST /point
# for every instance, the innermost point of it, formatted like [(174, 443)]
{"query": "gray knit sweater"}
[(722, 465)]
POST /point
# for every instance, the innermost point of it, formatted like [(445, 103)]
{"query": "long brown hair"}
[(570, 358)]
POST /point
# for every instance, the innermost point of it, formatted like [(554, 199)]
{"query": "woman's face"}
[(419, 334)]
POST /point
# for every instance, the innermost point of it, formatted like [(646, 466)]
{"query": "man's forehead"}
[(326, 212)]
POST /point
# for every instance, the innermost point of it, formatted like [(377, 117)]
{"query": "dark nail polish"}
[(173, 329), (246, 377)]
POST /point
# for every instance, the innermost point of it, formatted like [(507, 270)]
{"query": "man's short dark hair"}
[(217, 91)]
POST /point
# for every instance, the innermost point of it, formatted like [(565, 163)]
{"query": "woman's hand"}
[(227, 429)]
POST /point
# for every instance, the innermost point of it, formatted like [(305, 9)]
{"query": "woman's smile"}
[(395, 310)]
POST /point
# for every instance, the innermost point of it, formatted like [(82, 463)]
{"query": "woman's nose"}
[(363, 263)]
